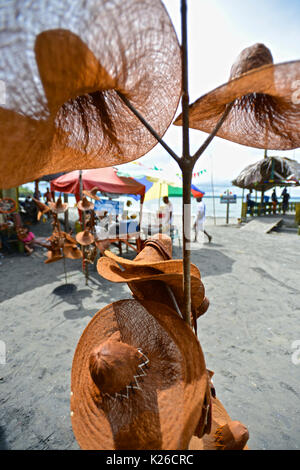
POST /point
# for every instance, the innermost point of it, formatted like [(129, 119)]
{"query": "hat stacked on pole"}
[(74, 59), (266, 110)]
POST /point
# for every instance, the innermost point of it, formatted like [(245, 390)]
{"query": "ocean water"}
[(214, 208)]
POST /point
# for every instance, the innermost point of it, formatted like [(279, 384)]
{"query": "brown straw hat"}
[(85, 238), (92, 193), (85, 205), (58, 207), (266, 111), (149, 273), (138, 379), (71, 251), (72, 116)]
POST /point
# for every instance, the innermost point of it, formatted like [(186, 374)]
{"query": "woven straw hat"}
[(85, 238), (92, 193), (58, 207), (138, 379), (149, 273), (85, 205), (266, 111), (74, 61)]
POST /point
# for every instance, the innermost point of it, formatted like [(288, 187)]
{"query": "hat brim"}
[(89, 207), (92, 196), (52, 258), (220, 417), (277, 128), (59, 210), (82, 241), (164, 266), (72, 252), (165, 412), (81, 72), (146, 281)]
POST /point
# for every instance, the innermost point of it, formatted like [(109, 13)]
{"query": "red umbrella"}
[(105, 179)]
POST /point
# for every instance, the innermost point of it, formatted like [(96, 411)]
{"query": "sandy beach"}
[(252, 282)]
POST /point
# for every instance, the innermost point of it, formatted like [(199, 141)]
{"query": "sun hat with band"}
[(153, 274), (265, 96), (138, 379)]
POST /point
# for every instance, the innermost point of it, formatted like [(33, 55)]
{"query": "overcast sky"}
[(218, 31)]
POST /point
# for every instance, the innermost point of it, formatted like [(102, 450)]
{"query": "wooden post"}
[(187, 167), (227, 207), (66, 214)]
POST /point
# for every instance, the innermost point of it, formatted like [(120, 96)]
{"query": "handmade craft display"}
[(7, 205), (139, 379)]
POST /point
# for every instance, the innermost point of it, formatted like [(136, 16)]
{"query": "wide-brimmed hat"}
[(58, 206), (85, 204), (72, 116), (85, 238), (151, 270), (266, 110), (92, 193), (138, 379)]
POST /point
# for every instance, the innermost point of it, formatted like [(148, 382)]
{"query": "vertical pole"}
[(212, 189), (186, 167), (243, 192), (227, 208), (66, 214)]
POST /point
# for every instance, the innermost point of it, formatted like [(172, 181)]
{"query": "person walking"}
[(200, 220)]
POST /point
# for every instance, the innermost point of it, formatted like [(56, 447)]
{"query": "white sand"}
[(252, 281)]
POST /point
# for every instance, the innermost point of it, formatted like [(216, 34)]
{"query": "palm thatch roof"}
[(269, 172)]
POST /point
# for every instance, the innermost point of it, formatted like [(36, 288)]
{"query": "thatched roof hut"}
[(269, 172)]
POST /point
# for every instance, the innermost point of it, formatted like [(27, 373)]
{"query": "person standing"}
[(48, 196), (285, 200), (169, 210), (274, 200), (200, 220)]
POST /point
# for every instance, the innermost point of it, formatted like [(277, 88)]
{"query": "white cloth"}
[(200, 217), (168, 209)]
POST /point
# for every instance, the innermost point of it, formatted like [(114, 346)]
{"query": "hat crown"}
[(113, 366), (251, 58), (156, 248)]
